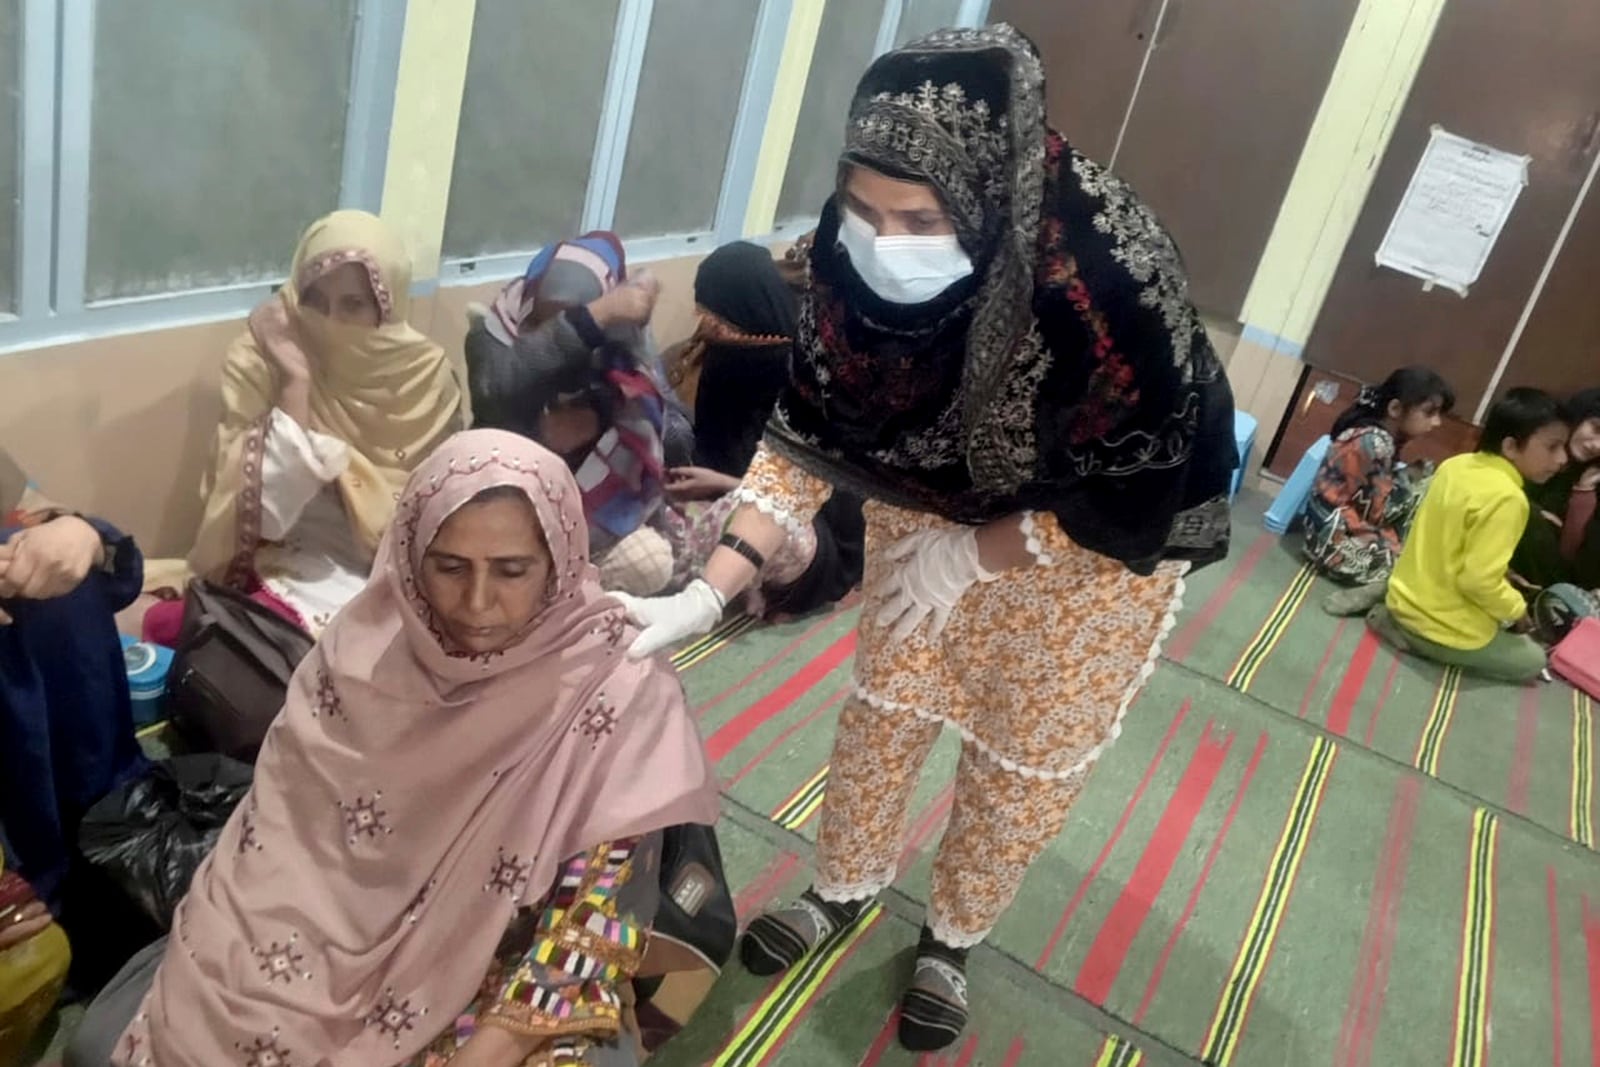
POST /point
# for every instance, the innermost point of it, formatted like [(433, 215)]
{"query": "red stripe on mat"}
[(968, 1051), (1355, 680), (1365, 1005), (1200, 882), (1183, 643), (1126, 918), (1522, 762), (1383, 697), (738, 729), (1591, 939), (777, 658), (1111, 842), (828, 705), (1327, 654), (1555, 967), (1014, 1054), (881, 1043), (765, 884)]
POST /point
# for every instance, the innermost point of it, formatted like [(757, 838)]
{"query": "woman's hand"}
[(699, 483), (49, 560), (32, 919), (1589, 480), (935, 568), (275, 334), (631, 303), (666, 620)]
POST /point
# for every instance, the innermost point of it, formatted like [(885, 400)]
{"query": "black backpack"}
[(231, 671)]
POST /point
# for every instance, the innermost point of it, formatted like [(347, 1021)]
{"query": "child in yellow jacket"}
[(1450, 599)]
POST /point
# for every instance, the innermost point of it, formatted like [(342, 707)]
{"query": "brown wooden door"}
[(1223, 112), (1323, 397), (1520, 77), (1092, 51), (1560, 348)]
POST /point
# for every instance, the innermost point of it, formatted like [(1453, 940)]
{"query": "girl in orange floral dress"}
[(998, 352)]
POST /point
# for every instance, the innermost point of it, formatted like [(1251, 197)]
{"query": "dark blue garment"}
[(66, 722)]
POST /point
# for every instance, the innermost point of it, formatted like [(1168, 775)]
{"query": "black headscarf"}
[(1070, 373), (746, 332)]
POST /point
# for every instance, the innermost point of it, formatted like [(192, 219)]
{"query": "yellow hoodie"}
[(1450, 585)]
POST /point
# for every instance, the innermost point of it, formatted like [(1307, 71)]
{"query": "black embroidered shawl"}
[(1070, 373)]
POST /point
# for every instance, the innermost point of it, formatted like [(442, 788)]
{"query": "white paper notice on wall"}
[(1453, 211)]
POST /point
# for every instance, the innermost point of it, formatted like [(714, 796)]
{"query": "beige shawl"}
[(387, 392)]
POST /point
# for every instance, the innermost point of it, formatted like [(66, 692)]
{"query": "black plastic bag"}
[(149, 836)]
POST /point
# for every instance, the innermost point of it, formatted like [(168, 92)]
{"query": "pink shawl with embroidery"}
[(408, 801)]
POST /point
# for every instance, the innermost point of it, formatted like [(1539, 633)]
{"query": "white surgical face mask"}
[(906, 269)]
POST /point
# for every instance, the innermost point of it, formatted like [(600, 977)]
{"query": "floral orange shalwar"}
[(1035, 670)]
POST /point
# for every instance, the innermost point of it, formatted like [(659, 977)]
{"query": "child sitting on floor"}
[(1363, 500), (1449, 599)]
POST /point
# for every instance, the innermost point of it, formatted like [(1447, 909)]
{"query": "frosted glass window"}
[(844, 49), (530, 115), (10, 145), (689, 88), (217, 135), (922, 17)]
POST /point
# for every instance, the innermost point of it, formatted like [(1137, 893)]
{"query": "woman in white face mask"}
[(999, 353)]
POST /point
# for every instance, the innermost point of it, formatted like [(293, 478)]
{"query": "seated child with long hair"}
[(1364, 498)]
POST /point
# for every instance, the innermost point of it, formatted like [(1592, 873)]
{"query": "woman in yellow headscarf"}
[(330, 399)]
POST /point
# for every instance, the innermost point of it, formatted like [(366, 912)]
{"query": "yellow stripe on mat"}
[(1477, 946), (803, 803), (1119, 1053), (777, 1012), (1271, 632), (699, 651), (1582, 769), (1228, 1022), (1433, 731)]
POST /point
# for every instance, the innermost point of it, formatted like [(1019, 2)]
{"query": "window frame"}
[(971, 15), (53, 213), (611, 146)]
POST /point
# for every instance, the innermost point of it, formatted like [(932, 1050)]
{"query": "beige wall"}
[(121, 426)]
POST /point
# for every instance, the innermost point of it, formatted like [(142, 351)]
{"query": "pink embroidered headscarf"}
[(409, 800)]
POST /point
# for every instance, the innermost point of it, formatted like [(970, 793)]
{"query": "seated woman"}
[(66, 721), (1561, 544), (1364, 498), (733, 369), (448, 854), (329, 401), (563, 357), (33, 962)]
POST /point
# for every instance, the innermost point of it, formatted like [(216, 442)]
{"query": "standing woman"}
[(330, 400), (998, 352)]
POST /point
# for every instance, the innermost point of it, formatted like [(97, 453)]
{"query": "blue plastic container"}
[(147, 679)]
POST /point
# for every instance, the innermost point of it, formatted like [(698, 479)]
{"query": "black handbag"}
[(231, 671), (692, 936)]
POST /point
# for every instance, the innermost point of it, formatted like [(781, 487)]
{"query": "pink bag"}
[(1577, 657)]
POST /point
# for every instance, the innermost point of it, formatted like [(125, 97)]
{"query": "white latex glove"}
[(935, 568), (666, 620)]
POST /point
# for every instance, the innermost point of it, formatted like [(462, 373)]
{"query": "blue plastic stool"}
[(1244, 436), (1291, 502)]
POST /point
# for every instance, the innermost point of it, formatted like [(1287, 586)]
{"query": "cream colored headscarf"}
[(387, 392)]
